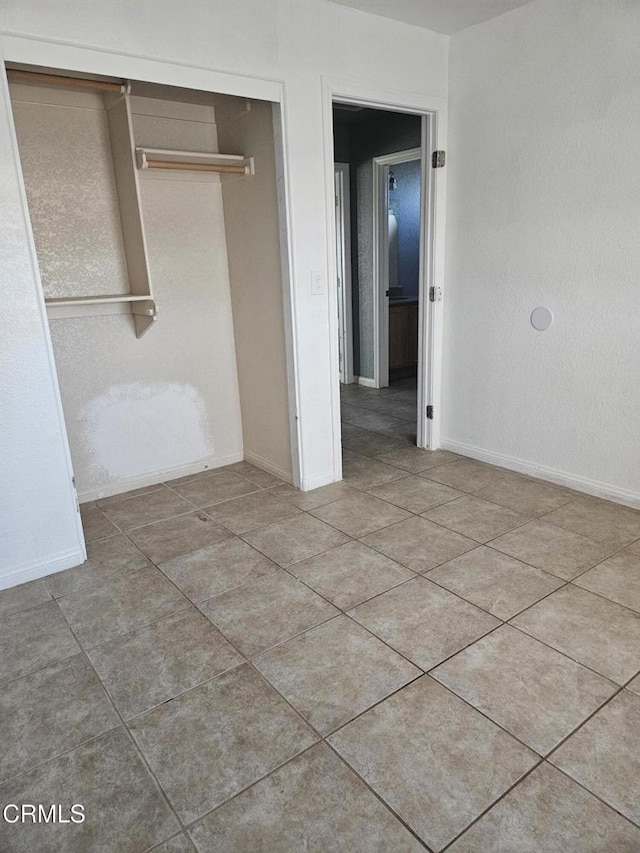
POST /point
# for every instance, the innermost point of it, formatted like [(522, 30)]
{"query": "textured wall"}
[(405, 201), (253, 249), (73, 204), (39, 524), (543, 209), (295, 41), (136, 409)]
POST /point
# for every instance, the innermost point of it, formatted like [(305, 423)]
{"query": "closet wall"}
[(137, 410), (253, 247)]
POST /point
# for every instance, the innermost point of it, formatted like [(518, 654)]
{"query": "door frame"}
[(433, 110), (343, 263), (380, 245)]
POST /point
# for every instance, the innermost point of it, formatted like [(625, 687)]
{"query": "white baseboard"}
[(269, 467), (309, 485), (364, 380), (33, 571), (160, 476), (542, 472)]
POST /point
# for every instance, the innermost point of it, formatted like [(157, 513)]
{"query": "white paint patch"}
[(140, 427)]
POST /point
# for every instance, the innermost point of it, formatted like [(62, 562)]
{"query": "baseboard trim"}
[(160, 476), (364, 380), (269, 467), (309, 485), (33, 571), (542, 472)]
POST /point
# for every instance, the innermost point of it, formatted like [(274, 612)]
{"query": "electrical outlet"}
[(318, 287)]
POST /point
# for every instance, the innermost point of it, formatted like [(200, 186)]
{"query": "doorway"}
[(380, 275), (396, 283)]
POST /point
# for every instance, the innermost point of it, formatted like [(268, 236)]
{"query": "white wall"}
[(39, 522), (543, 200), (137, 410), (295, 41), (253, 249)]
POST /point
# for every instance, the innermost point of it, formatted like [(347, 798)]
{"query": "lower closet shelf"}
[(142, 307)]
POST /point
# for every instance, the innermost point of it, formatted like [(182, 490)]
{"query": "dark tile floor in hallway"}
[(434, 654), (390, 411)]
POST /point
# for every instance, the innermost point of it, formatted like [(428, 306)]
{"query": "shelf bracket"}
[(144, 316)]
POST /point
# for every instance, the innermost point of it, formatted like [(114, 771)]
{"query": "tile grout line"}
[(120, 725), (192, 506), (486, 544), (401, 583), (596, 711), (342, 612), (594, 794), (493, 804), (132, 740), (537, 766), (369, 708), (322, 739), (379, 797)]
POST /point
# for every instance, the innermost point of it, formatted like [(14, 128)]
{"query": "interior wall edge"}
[(366, 381), (37, 569), (161, 476), (37, 421), (311, 483), (141, 47), (596, 488), (269, 467)]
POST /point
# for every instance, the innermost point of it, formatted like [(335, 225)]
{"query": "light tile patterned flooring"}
[(434, 654)]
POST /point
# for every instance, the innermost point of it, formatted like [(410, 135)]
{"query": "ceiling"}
[(443, 16)]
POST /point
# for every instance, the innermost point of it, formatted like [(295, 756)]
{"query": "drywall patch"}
[(137, 428)]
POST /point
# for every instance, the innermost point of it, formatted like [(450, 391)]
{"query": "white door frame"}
[(434, 133), (343, 263), (381, 259)]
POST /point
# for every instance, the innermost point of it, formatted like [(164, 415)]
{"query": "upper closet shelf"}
[(194, 161)]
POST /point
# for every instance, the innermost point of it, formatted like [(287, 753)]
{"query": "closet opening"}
[(157, 217)]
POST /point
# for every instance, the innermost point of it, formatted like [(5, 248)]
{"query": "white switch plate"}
[(317, 283)]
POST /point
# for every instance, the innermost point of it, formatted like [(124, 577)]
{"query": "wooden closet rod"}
[(18, 76), (194, 167)]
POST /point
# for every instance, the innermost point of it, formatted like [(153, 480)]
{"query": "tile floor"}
[(434, 654)]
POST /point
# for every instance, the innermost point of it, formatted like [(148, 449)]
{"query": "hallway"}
[(387, 412)]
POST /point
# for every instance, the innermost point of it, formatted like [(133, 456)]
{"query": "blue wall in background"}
[(405, 201)]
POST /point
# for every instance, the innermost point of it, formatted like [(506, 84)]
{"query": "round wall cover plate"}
[(541, 319)]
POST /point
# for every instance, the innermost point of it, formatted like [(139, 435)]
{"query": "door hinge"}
[(429, 413), (438, 159), (435, 294)]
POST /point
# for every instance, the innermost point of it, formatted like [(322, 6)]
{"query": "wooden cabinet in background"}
[(403, 338)]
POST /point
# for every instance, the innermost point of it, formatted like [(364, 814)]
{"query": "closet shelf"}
[(141, 306), (196, 161), (96, 300)]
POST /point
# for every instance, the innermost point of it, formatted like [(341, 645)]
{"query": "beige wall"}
[(137, 410), (253, 246)]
